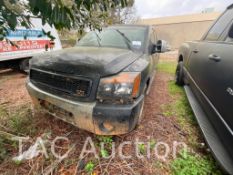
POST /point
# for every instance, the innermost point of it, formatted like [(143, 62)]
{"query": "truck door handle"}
[(214, 57), (195, 51)]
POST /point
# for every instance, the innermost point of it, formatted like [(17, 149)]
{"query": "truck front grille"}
[(64, 85)]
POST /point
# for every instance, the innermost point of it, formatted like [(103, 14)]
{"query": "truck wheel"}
[(179, 74), (24, 65), (140, 117)]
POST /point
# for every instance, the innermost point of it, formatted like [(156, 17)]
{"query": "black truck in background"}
[(205, 67)]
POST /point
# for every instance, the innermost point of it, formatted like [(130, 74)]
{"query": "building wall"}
[(178, 29)]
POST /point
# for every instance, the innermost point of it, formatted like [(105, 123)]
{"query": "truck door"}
[(198, 62), (211, 67), (218, 76), (215, 68)]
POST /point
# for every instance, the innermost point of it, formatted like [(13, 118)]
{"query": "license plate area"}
[(57, 111)]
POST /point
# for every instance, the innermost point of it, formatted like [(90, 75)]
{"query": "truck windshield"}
[(126, 38)]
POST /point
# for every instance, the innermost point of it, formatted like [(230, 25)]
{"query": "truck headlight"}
[(125, 85)]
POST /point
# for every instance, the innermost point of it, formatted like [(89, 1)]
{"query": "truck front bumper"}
[(100, 119)]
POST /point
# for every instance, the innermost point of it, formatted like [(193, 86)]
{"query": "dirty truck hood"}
[(86, 61)]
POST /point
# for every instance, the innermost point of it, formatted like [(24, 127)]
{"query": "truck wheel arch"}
[(181, 58)]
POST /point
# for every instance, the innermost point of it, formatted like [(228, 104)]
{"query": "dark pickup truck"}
[(98, 85), (205, 67)]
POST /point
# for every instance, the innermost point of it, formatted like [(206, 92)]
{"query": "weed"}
[(152, 144), (142, 148), (104, 153), (17, 162), (193, 164), (89, 168), (106, 140)]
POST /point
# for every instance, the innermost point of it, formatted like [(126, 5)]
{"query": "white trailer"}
[(28, 43)]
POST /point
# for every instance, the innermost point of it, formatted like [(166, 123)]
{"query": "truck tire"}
[(141, 109), (179, 78), (137, 121), (24, 65)]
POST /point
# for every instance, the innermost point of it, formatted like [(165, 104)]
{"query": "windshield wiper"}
[(126, 39)]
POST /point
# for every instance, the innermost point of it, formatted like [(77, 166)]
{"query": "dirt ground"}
[(155, 127)]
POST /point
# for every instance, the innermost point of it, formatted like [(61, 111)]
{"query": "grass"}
[(21, 121), (167, 67), (17, 122), (6, 148), (3, 113), (180, 108), (193, 164)]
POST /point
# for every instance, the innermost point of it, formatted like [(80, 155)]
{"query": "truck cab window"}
[(218, 28)]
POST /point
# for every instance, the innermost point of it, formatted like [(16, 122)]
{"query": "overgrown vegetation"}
[(186, 164), (193, 164), (17, 122), (21, 121), (181, 110), (180, 107)]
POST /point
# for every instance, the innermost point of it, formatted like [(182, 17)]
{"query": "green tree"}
[(63, 14)]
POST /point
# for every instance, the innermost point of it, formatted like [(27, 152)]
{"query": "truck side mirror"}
[(162, 46)]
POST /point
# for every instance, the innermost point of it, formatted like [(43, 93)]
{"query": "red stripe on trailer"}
[(24, 45)]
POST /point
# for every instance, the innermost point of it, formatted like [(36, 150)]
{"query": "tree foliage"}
[(63, 14)]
